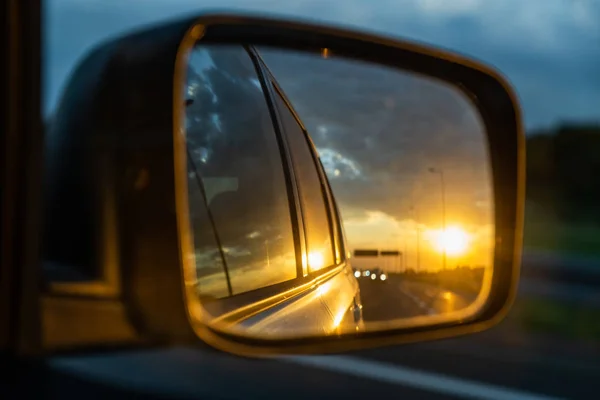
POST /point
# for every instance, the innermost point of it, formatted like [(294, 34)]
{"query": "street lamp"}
[(417, 230), (443, 187)]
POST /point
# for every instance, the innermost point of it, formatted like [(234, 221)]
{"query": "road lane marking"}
[(497, 353), (428, 381), (419, 302)]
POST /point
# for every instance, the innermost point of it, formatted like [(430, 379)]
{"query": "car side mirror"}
[(269, 186)]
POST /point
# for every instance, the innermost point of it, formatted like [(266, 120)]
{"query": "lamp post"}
[(405, 254), (443, 188), (267, 248), (417, 231)]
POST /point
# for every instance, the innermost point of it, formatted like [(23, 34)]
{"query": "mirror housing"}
[(112, 187)]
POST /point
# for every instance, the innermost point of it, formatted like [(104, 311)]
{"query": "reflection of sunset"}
[(454, 240), (316, 260), (467, 242), (245, 275), (397, 182)]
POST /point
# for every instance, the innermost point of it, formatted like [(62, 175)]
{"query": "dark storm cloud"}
[(391, 126), (547, 48)]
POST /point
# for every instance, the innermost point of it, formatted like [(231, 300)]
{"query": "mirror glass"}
[(327, 194)]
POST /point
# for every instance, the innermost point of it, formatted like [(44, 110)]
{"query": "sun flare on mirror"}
[(454, 240), (316, 260)]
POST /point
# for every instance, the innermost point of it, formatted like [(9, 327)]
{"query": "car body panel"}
[(292, 316), (323, 308), (326, 308), (338, 293)]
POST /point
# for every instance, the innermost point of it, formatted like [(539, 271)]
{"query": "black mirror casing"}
[(113, 137)]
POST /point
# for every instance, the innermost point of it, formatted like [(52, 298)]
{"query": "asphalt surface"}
[(475, 358), (561, 269), (451, 369), (398, 298), (501, 363), (501, 357)]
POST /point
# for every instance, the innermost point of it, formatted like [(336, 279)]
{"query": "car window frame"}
[(272, 293), (333, 216), (338, 236), (256, 292), (239, 306), (338, 239), (21, 143)]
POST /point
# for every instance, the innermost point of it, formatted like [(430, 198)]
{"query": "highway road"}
[(399, 298), (450, 369), (497, 364), (502, 363)]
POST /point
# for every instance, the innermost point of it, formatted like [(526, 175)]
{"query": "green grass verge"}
[(542, 231), (556, 318)]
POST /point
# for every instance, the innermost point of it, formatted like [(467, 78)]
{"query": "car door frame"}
[(238, 307), (334, 218), (341, 270), (21, 143)]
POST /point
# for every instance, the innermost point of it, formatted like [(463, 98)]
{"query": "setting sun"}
[(455, 241)]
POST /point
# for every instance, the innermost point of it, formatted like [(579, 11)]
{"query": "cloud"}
[(380, 130), (547, 48)]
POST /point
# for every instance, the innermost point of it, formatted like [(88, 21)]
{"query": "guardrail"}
[(558, 276), (536, 265)]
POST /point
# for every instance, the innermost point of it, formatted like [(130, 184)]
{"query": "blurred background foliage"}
[(563, 190)]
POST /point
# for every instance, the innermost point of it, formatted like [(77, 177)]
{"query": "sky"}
[(548, 50), (379, 131)]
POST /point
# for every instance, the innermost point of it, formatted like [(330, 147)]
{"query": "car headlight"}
[(357, 274), (373, 277), (383, 277)]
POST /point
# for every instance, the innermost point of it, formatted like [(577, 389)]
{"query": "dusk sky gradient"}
[(548, 49)]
